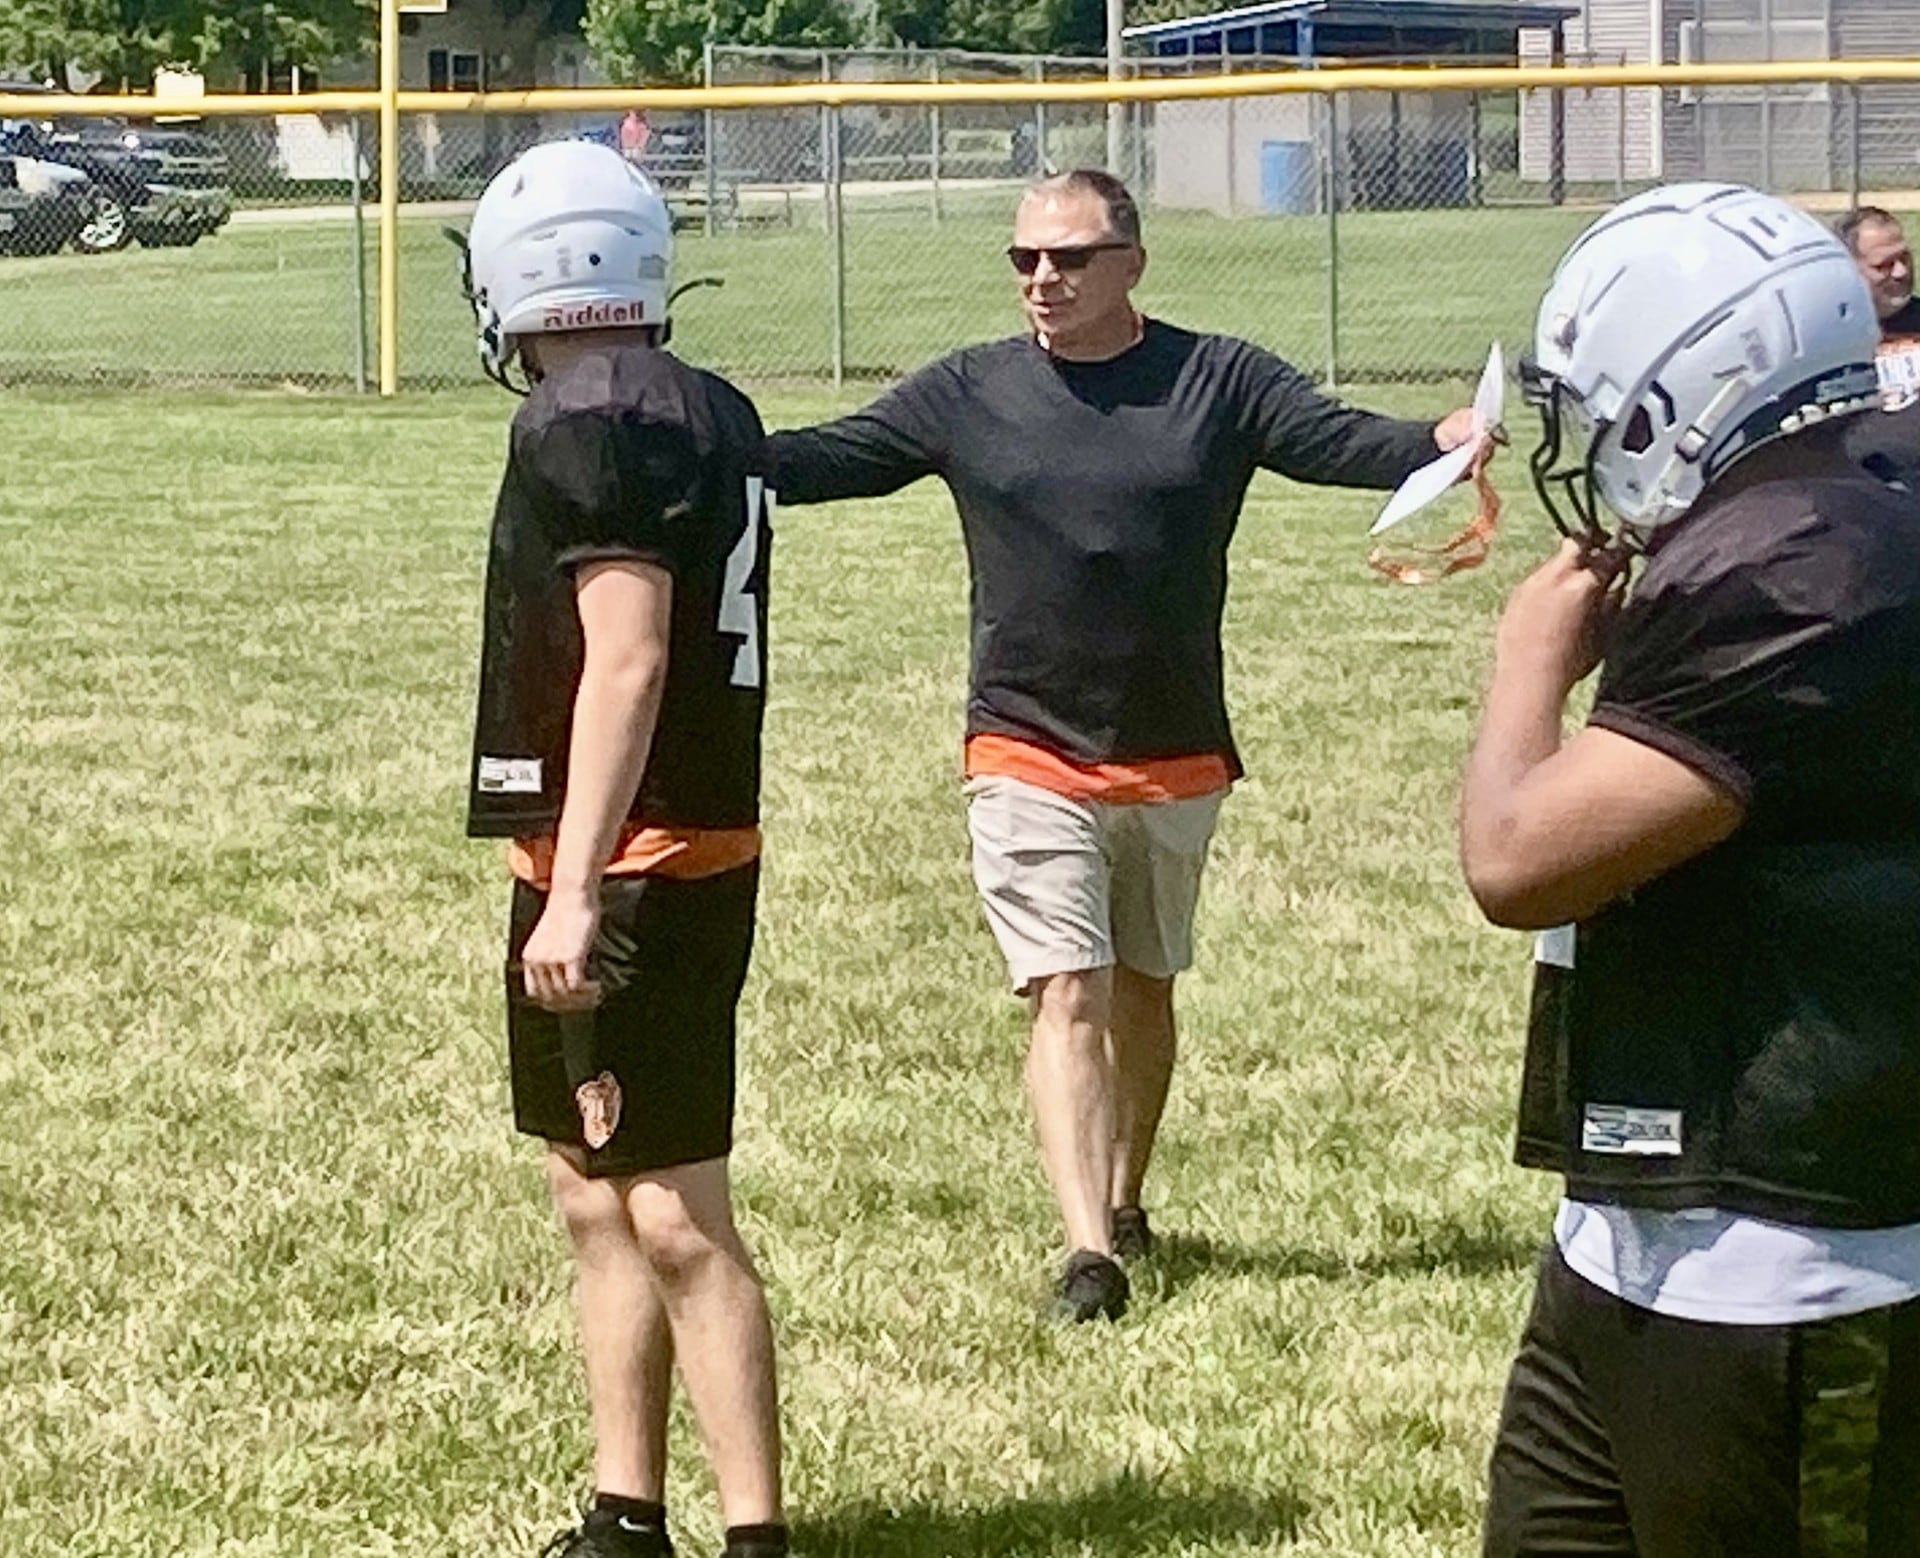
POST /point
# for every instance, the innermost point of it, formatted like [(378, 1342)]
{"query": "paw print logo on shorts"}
[(599, 1101)]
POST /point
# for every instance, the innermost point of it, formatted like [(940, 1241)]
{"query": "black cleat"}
[(603, 1534), (1092, 1287), (1132, 1238)]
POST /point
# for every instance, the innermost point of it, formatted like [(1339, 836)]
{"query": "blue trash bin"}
[(1288, 178)]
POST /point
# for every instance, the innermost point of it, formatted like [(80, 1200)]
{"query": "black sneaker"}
[(1092, 1287), (1132, 1238), (603, 1534)]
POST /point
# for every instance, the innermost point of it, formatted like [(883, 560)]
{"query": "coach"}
[(1099, 463)]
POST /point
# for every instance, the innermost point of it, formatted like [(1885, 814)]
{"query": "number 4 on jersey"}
[(739, 610)]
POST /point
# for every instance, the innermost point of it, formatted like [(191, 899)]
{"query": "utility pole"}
[(1116, 71)]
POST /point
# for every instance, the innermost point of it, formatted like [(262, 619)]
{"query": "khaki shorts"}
[(1070, 885)]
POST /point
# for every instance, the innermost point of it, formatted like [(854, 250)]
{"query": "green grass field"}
[(1419, 293), (278, 1281)]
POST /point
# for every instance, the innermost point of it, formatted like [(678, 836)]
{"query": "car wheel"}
[(37, 237), (108, 227)]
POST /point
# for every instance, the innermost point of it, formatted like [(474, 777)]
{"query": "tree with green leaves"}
[(658, 42), (1000, 26), (256, 38), (125, 41), (121, 40)]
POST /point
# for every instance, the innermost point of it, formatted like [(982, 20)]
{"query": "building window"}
[(453, 70)]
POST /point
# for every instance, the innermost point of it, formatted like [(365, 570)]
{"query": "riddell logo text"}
[(585, 316)]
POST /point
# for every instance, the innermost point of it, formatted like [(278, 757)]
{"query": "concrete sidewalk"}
[(269, 216)]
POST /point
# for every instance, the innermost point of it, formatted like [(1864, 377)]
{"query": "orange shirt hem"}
[(1144, 782), (683, 854)]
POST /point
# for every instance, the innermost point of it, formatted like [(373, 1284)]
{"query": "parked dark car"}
[(165, 187), (43, 205)]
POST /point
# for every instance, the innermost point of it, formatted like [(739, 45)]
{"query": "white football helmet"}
[(568, 236), (1687, 327)]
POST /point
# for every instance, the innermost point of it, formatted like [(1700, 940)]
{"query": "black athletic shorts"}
[(645, 1080), (1627, 1434)]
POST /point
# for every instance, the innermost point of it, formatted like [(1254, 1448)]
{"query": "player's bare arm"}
[(1549, 833), (625, 615)]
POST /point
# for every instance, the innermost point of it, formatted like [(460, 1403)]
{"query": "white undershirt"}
[(1718, 1266)]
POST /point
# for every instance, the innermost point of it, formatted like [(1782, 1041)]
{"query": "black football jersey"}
[(1744, 1030), (628, 454)]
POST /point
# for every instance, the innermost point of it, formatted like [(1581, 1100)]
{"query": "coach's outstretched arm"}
[(878, 449), (1311, 437)]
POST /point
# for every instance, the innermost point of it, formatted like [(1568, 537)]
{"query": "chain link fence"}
[(1368, 236)]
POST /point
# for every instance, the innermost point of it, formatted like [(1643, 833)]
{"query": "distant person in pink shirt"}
[(635, 132)]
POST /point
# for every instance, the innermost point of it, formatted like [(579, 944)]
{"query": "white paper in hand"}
[(1432, 479)]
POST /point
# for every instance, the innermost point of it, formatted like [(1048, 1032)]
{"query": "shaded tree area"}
[(125, 41), (1006, 26), (253, 42), (660, 41)]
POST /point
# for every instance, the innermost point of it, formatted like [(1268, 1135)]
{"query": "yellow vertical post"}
[(389, 197)]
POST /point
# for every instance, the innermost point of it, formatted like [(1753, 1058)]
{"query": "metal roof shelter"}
[(1394, 149), (1312, 31)]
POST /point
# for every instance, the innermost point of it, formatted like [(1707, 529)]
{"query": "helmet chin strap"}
[(498, 373), (666, 325)]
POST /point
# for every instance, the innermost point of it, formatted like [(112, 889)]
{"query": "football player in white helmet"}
[(1652, 379), (617, 745), (566, 240), (1723, 1063)]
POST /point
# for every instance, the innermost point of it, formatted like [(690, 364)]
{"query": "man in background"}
[(1099, 461), (1888, 445)]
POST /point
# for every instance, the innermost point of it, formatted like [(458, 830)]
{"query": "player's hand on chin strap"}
[(554, 961), (1559, 617)]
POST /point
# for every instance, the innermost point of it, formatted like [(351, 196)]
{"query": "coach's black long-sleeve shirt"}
[(1097, 501)]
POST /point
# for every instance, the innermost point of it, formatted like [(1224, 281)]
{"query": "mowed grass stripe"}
[(280, 1281)]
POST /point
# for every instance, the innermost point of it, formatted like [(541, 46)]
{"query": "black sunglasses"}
[(1075, 257)]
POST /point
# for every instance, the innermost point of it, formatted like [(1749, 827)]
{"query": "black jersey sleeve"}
[(1739, 665), (1310, 437), (612, 484), (878, 449)]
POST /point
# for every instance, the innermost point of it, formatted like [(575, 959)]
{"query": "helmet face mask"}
[(1562, 462), (569, 236), (496, 350), (1691, 325)]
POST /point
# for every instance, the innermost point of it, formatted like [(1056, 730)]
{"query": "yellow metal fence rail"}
[(389, 103)]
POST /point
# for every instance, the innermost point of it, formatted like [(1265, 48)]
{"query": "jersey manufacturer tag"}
[(1555, 947), (1898, 366), (509, 776), (1630, 1132)]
